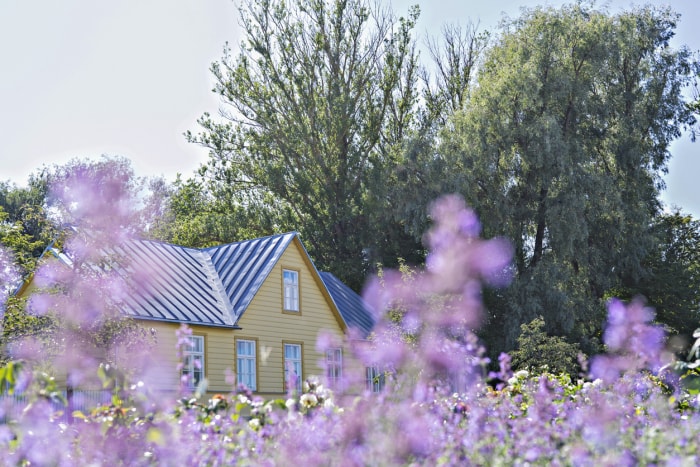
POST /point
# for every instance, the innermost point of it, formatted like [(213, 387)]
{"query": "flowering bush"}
[(439, 405)]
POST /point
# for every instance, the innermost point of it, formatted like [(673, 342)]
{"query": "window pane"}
[(334, 366), (245, 363), (193, 361), (292, 361), (291, 290), (375, 379)]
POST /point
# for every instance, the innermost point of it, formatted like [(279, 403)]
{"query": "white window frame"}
[(334, 366), (246, 363), (374, 379), (293, 359), (192, 353), (290, 290)]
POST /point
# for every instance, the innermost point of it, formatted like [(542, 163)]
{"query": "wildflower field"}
[(439, 404)]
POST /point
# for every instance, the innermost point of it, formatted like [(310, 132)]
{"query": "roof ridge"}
[(163, 242), (244, 266), (229, 315), (294, 233)]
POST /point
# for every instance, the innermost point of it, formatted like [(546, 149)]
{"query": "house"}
[(255, 308)]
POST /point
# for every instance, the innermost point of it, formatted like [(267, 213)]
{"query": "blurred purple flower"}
[(40, 304), (327, 340), (492, 261), (468, 222), (635, 343)]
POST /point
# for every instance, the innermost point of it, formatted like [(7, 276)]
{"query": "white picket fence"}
[(11, 406)]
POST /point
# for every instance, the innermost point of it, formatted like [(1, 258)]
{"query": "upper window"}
[(291, 290), (193, 361), (245, 364), (334, 366), (292, 362)]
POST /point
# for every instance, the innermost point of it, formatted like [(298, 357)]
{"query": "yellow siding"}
[(218, 356), (266, 323), (265, 320)]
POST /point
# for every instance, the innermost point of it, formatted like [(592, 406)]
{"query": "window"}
[(374, 379), (291, 290), (292, 361), (245, 364), (334, 366), (193, 362)]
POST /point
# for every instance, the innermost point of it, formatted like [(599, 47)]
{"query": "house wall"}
[(266, 321), (218, 356)]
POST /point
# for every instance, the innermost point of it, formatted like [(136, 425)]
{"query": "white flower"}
[(522, 374), (308, 400), (323, 393), (254, 423)]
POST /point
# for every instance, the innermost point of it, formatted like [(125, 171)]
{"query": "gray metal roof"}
[(211, 286), (353, 309), (173, 283), (243, 266)]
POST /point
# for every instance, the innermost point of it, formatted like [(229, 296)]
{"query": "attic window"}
[(290, 290)]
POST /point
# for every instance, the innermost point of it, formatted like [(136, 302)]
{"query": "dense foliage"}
[(671, 283), (562, 150), (439, 405), (539, 352), (556, 130), (24, 225), (316, 101)]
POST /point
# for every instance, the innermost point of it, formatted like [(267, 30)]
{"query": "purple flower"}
[(634, 342)]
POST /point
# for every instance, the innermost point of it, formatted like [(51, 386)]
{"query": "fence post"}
[(69, 406)]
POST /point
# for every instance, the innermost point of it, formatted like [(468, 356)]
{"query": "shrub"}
[(539, 352)]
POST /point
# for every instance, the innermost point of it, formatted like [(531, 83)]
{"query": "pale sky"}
[(81, 78)]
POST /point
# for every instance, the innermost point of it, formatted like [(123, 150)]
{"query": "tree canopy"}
[(672, 285), (315, 101), (24, 225), (556, 129), (561, 150)]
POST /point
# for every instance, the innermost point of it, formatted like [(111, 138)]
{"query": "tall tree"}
[(196, 218), (316, 100), (561, 149), (419, 175), (672, 286), (456, 57), (24, 224)]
